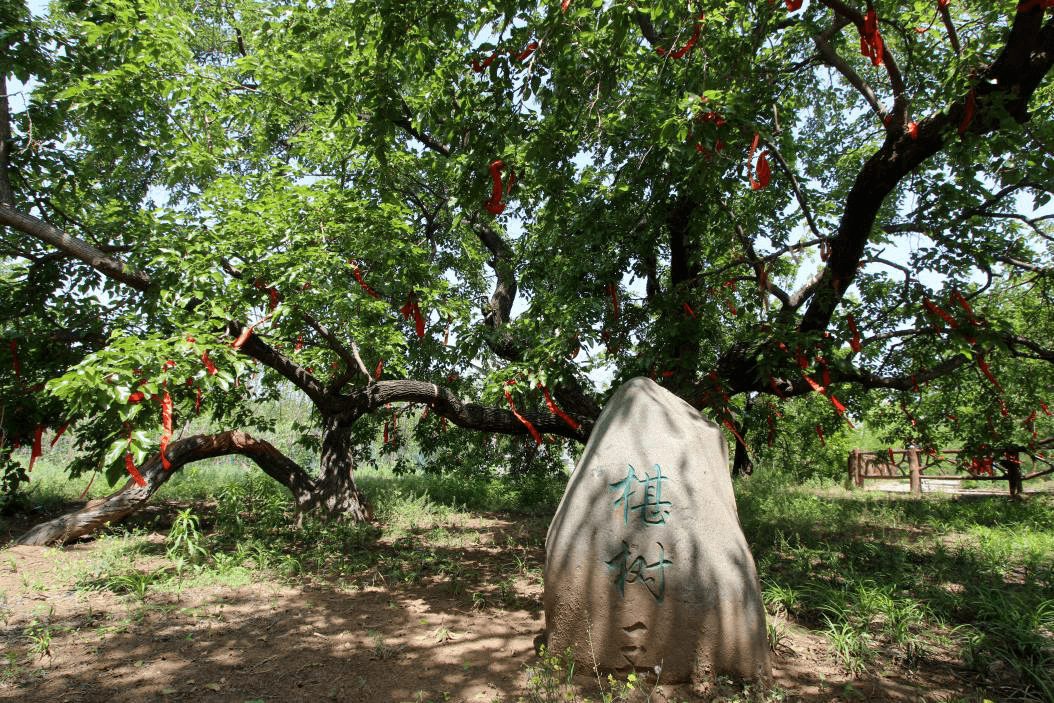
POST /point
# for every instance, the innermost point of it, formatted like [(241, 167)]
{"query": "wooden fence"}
[(915, 464)]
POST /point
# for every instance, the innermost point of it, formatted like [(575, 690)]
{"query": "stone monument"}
[(646, 564)]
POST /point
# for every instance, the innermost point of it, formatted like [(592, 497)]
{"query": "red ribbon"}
[(613, 292), (937, 310), (479, 67), (13, 344), (197, 402), (129, 466), (891, 460), (521, 418), (365, 286), (59, 433), (556, 410), (209, 366), (527, 52), (871, 44), (854, 343), (564, 5), (494, 205), (243, 337), (763, 166), (775, 387), (988, 372), (136, 398), (841, 411), (299, 343), (680, 53), (793, 5), (377, 371), (688, 310), (412, 308), (971, 105), (820, 432), (958, 297), (735, 434), (815, 386), (166, 424), (1043, 406), (274, 297), (38, 433)]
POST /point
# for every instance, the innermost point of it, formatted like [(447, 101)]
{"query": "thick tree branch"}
[(181, 452), (74, 247), (468, 415), (1007, 85)]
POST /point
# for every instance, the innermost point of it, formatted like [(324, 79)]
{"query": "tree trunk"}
[(337, 494), (132, 496), (1012, 465), (742, 464)]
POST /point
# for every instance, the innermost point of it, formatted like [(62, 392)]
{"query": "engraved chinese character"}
[(640, 571), (653, 510)]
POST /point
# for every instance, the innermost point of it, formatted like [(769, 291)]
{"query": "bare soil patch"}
[(256, 635)]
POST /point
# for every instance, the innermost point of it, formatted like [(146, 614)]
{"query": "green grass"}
[(887, 580), (883, 573)]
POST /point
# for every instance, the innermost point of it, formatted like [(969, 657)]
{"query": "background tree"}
[(711, 194)]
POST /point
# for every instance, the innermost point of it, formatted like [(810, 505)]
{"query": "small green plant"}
[(551, 679), (39, 635), (850, 645), (185, 538)]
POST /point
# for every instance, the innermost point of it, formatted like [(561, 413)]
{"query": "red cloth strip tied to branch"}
[(555, 410), (854, 342), (209, 366), (58, 434), (1043, 407), (495, 206), (166, 431), (377, 371), (958, 297), (521, 418), (613, 292), (937, 310), (871, 44), (763, 171), (890, 450), (365, 286), (820, 433), (197, 401), (38, 433), (564, 5), (412, 308), (793, 5), (968, 111), (531, 48), (243, 337), (129, 466), (841, 411), (680, 53), (732, 429), (988, 372), (13, 345)]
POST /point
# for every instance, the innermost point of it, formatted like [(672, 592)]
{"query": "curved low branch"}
[(181, 452), (468, 415)]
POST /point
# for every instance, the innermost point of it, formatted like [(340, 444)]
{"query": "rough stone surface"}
[(646, 562)]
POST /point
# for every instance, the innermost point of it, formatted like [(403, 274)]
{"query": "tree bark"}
[(132, 496), (337, 493)]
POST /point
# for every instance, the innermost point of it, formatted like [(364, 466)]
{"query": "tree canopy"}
[(484, 207)]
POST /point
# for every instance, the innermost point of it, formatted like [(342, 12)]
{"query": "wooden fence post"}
[(915, 472)]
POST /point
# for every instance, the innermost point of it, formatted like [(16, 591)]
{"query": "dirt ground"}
[(368, 639)]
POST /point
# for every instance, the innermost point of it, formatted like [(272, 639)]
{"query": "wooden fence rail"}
[(912, 463)]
